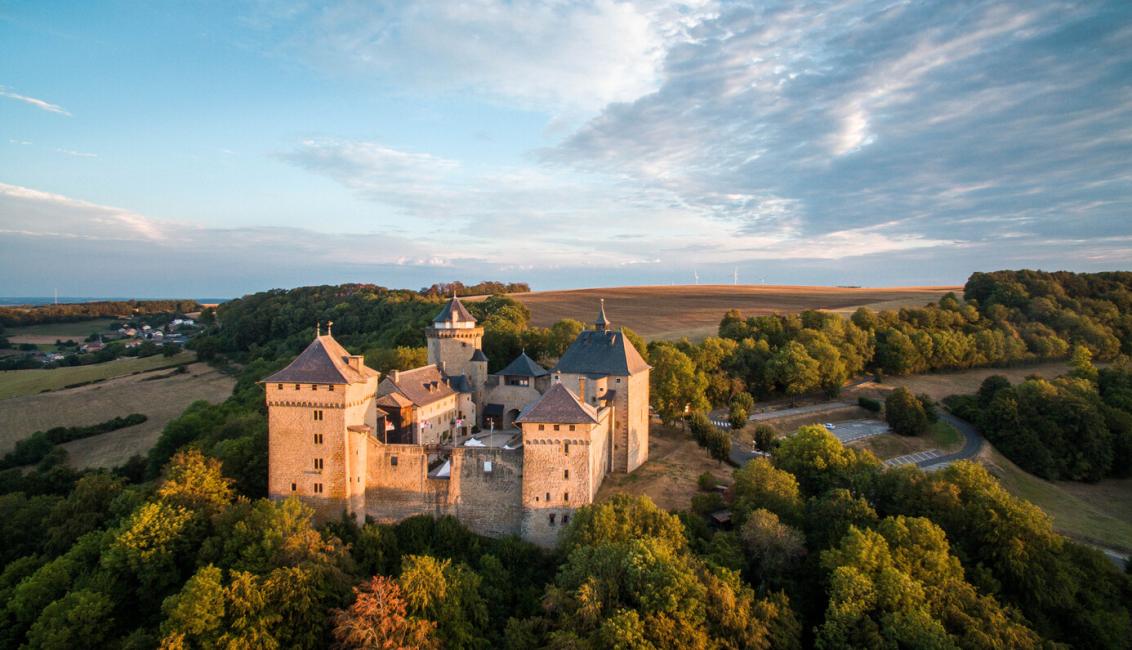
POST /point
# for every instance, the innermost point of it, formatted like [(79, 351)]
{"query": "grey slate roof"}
[(478, 355), (454, 310), (460, 383), (324, 361), (421, 386), (558, 406), (596, 352), (523, 366)]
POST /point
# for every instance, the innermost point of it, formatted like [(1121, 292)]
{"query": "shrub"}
[(707, 482), (905, 413), (869, 404), (766, 438)]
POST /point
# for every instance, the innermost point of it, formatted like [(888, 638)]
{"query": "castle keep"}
[(515, 452)]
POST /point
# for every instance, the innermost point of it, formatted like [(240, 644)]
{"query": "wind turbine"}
[(696, 275)]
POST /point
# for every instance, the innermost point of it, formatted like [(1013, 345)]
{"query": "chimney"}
[(396, 376), (582, 389), (356, 362)]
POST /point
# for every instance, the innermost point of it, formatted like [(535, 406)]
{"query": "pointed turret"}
[(454, 315), (602, 323)]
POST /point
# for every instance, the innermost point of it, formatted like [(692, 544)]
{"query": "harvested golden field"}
[(49, 332), (671, 312), (669, 476), (14, 383), (160, 395)]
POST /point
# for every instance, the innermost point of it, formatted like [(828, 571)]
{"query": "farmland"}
[(14, 383), (160, 395), (49, 332), (694, 311)]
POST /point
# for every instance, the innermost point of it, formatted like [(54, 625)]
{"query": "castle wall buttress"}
[(636, 416)]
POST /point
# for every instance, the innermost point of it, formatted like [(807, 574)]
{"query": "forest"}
[(80, 311), (827, 548)]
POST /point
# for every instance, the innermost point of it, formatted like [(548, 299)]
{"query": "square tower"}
[(320, 410)]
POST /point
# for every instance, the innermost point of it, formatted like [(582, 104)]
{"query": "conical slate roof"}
[(324, 361), (454, 312), (478, 355), (523, 366), (558, 406)]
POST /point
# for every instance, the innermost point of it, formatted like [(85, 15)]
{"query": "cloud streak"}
[(38, 103)]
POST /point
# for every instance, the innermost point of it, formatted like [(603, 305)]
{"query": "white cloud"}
[(38, 103), (557, 55)]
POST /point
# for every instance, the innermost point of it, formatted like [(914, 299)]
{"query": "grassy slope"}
[(1087, 519), (63, 330), (14, 383)]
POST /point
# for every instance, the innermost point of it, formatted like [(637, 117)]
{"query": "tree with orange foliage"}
[(377, 619)]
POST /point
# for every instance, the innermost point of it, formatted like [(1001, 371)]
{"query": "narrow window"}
[(542, 427), (571, 427), (393, 460), (318, 488), (536, 499), (566, 449), (296, 387), (280, 386), (330, 388), (293, 487), (552, 519), (314, 386), (566, 496), (318, 463), (619, 380), (566, 474), (565, 519), (548, 497)]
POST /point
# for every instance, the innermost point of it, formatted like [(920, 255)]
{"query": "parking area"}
[(851, 430), (914, 459)]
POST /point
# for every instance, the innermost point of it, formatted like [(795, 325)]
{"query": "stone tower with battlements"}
[(321, 413), (453, 339)]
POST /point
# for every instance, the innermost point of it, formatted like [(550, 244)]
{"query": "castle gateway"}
[(342, 438)]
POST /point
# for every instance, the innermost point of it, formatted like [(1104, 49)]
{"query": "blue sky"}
[(218, 148)]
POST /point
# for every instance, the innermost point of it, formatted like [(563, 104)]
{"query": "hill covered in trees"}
[(828, 548)]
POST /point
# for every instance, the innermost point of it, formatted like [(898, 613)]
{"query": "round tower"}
[(453, 338)]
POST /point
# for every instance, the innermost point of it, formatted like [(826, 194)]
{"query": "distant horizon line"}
[(38, 301)]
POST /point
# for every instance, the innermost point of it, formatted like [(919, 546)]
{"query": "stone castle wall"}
[(487, 498)]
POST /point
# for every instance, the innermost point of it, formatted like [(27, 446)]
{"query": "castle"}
[(514, 452)]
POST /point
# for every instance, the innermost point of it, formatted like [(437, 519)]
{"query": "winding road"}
[(972, 443)]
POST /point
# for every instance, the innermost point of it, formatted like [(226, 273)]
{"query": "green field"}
[(944, 435), (14, 383), (63, 330), (1084, 520)]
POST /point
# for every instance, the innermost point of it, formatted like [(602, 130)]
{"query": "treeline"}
[(387, 326), (1077, 427), (485, 288), (19, 316), (828, 549), (38, 445), (1004, 318)]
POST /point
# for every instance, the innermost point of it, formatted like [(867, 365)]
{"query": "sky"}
[(193, 149)]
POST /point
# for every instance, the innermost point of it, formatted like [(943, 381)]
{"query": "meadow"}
[(14, 383), (49, 332), (694, 311), (160, 395)]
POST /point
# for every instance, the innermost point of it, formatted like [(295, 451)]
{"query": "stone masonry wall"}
[(397, 491), (487, 502), (556, 478), (452, 349)]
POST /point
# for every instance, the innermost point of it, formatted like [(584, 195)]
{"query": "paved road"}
[(973, 443)]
